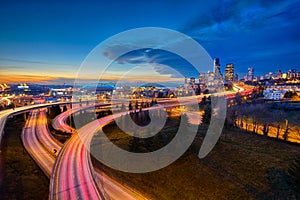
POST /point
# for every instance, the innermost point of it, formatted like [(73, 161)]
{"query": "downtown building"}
[(250, 75), (229, 72), (292, 74), (217, 69)]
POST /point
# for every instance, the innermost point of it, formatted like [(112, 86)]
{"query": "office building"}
[(192, 80), (201, 78), (250, 73), (229, 72), (217, 69)]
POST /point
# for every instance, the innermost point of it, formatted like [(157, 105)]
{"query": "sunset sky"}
[(46, 41)]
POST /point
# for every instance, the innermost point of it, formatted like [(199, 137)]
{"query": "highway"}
[(74, 161), (37, 143), (71, 174), (74, 181), (7, 98), (11, 112), (40, 144), (60, 122), (72, 165), (82, 184)]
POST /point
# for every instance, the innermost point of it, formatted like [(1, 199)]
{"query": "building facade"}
[(217, 69), (229, 72)]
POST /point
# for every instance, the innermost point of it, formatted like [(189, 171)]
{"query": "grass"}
[(20, 177), (241, 166)]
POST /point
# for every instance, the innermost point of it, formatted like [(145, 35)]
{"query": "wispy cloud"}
[(31, 62), (227, 18), (262, 34), (162, 61)]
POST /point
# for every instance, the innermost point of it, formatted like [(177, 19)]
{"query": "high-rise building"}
[(210, 79), (250, 74), (279, 74), (292, 74), (217, 61), (192, 80), (185, 80), (229, 72), (217, 68), (202, 78), (236, 78)]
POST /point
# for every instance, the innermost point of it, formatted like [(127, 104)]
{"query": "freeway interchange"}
[(68, 165)]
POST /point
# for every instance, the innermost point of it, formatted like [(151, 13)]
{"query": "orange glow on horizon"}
[(31, 78), (23, 78)]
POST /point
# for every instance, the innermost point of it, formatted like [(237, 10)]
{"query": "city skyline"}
[(140, 100), (36, 45)]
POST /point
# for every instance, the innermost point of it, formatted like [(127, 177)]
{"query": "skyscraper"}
[(217, 68), (250, 73), (229, 72), (210, 79), (202, 78), (185, 80), (192, 80), (292, 74), (236, 78), (279, 74)]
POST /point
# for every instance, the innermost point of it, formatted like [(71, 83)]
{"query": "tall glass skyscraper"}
[(229, 72)]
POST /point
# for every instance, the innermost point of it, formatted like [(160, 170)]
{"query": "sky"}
[(47, 41)]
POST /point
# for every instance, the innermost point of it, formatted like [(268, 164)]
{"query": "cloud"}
[(261, 34), (30, 61), (228, 18), (156, 57)]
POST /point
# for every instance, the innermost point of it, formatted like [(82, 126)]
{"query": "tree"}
[(206, 115), (54, 111), (266, 129), (206, 91), (130, 106), (231, 118), (65, 108), (147, 104), (286, 131), (255, 126), (202, 103), (290, 94), (278, 131)]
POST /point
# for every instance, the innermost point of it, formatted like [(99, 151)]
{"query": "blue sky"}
[(48, 40)]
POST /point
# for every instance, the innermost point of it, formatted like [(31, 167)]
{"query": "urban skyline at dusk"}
[(158, 100), (46, 43)]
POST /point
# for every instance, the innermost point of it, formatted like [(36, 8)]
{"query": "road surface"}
[(74, 160), (67, 170), (41, 145), (37, 144), (11, 112)]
